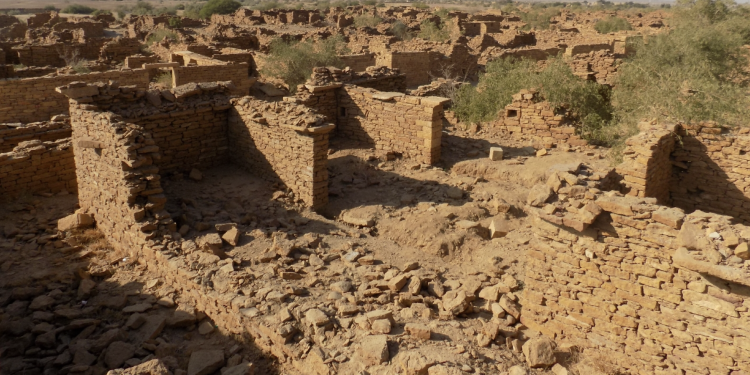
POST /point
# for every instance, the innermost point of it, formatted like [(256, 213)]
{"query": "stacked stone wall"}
[(41, 55), (712, 170), (35, 99), (628, 286), (193, 138), (11, 135), (527, 115), (392, 122), (237, 73), (646, 167), (36, 166), (359, 63), (118, 183), (120, 48), (416, 65), (136, 62), (265, 141)]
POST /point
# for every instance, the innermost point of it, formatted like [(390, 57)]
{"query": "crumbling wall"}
[(392, 122), (120, 48), (118, 183), (587, 48), (712, 170), (35, 99), (646, 167), (528, 115), (36, 166), (416, 65), (644, 284), (237, 73), (11, 135), (283, 142), (358, 63), (40, 55), (137, 61)]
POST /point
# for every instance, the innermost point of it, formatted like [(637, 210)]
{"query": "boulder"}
[(373, 350), (539, 352), (205, 362), (538, 195)]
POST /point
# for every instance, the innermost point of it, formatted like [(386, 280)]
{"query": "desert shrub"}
[(100, 12), (430, 31), (400, 30), (588, 102), (164, 80), (175, 22), (697, 71), (267, 5), (78, 9), (369, 2), (219, 7), (367, 21), (612, 24), (293, 62), (79, 66), (143, 8), (161, 34), (420, 5), (50, 8), (538, 18)]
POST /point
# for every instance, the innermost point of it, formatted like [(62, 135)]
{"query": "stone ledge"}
[(683, 259)]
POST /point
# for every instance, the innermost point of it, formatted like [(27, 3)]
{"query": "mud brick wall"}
[(358, 63), (528, 115), (118, 183), (36, 166), (11, 135), (237, 73), (35, 99), (712, 170), (194, 138), (646, 166), (265, 142), (623, 287), (395, 123)]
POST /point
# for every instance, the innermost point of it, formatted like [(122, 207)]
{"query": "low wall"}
[(268, 141), (237, 73), (36, 166), (392, 122), (416, 65), (11, 135), (643, 285), (528, 115), (35, 99), (358, 63)]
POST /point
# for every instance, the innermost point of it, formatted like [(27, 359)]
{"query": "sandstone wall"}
[(266, 140), (237, 73), (118, 183), (120, 48), (712, 170), (136, 62), (358, 63), (632, 286), (416, 65), (529, 116), (193, 138), (646, 166), (392, 122), (35, 99), (41, 55), (11, 135), (36, 166)]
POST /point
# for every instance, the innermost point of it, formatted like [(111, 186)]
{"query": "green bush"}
[(588, 102), (697, 71), (161, 34), (100, 12), (612, 24), (538, 18), (367, 21), (420, 5), (219, 7), (400, 30), (293, 62), (369, 2), (164, 80), (175, 23), (78, 9), (430, 31), (50, 8)]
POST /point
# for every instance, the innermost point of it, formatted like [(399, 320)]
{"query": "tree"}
[(219, 7)]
